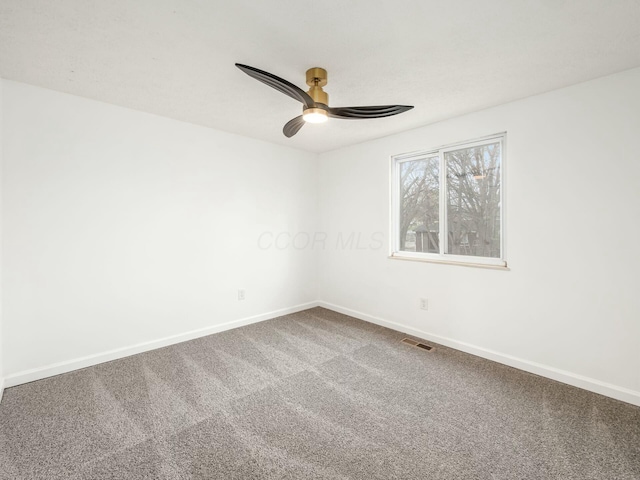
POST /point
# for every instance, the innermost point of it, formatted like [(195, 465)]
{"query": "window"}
[(447, 204)]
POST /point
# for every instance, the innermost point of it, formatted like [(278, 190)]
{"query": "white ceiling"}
[(176, 57)]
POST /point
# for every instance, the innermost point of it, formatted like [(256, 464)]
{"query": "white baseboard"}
[(586, 383), (580, 381), (75, 364)]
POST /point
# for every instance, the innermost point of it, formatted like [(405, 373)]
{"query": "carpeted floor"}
[(313, 395)]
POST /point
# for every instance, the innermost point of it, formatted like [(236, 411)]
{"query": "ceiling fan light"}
[(315, 115)]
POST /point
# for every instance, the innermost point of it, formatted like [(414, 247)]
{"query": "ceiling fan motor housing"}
[(316, 79)]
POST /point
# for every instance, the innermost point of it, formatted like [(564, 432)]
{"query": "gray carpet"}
[(313, 395)]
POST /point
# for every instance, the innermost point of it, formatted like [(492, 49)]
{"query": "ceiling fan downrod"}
[(316, 79)]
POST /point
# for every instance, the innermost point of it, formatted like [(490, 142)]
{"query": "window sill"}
[(462, 263)]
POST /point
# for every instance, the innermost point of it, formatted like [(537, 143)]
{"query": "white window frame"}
[(443, 257)]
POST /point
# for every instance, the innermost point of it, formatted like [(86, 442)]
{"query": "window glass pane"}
[(419, 205), (473, 200)]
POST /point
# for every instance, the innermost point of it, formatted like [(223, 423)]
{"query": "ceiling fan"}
[(316, 101)]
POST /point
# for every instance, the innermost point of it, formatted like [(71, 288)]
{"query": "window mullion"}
[(397, 207), (444, 238)]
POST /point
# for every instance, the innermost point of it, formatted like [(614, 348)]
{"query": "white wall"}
[(569, 307), (1, 167), (122, 227)]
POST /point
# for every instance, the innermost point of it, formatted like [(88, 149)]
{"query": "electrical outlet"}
[(424, 304), (240, 294)]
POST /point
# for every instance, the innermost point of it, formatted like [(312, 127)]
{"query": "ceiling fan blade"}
[(292, 126), (279, 84), (368, 112)]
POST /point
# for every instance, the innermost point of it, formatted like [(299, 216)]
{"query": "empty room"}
[(296, 239)]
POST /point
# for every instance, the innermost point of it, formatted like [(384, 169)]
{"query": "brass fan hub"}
[(316, 79), (316, 76)]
